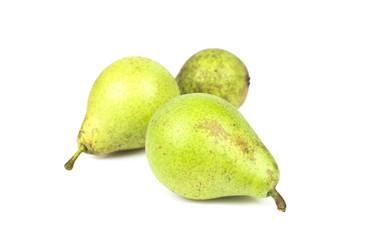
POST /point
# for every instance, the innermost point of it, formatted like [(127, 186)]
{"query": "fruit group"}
[(201, 147), (120, 105), (215, 71)]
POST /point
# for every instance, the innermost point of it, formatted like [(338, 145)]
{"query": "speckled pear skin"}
[(201, 147), (121, 102), (215, 71)]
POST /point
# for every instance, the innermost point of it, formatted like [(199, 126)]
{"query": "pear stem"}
[(71, 162), (280, 203)]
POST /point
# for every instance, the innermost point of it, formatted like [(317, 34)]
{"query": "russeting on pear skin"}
[(121, 102), (215, 71), (200, 147)]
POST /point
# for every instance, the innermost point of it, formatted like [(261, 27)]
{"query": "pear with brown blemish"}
[(217, 72), (201, 147), (121, 102)]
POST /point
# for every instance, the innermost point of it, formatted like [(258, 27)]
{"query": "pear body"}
[(215, 71), (200, 147), (121, 102), (120, 105)]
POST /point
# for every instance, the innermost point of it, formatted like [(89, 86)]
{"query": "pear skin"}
[(121, 102), (215, 71), (200, 147)]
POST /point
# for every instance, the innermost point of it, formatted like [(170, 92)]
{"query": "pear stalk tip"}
[(280, 203), (69, 165)]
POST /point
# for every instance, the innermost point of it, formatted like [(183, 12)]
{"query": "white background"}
[(315, 99)]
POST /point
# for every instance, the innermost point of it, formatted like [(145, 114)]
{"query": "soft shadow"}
[(226, 200), (122, 154)]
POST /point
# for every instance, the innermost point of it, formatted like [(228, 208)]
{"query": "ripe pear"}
[(215, 71), (121, 102), (200, 147)]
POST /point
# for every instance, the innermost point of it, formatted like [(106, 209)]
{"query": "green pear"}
[(121, 102), (200, 147), (215, 71)]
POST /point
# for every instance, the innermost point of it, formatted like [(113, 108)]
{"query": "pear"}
[(200, 147), (121, 102), (215, 71)]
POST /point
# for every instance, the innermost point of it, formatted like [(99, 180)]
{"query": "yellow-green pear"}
[(215, 71), (200, 147), (120, 105)]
